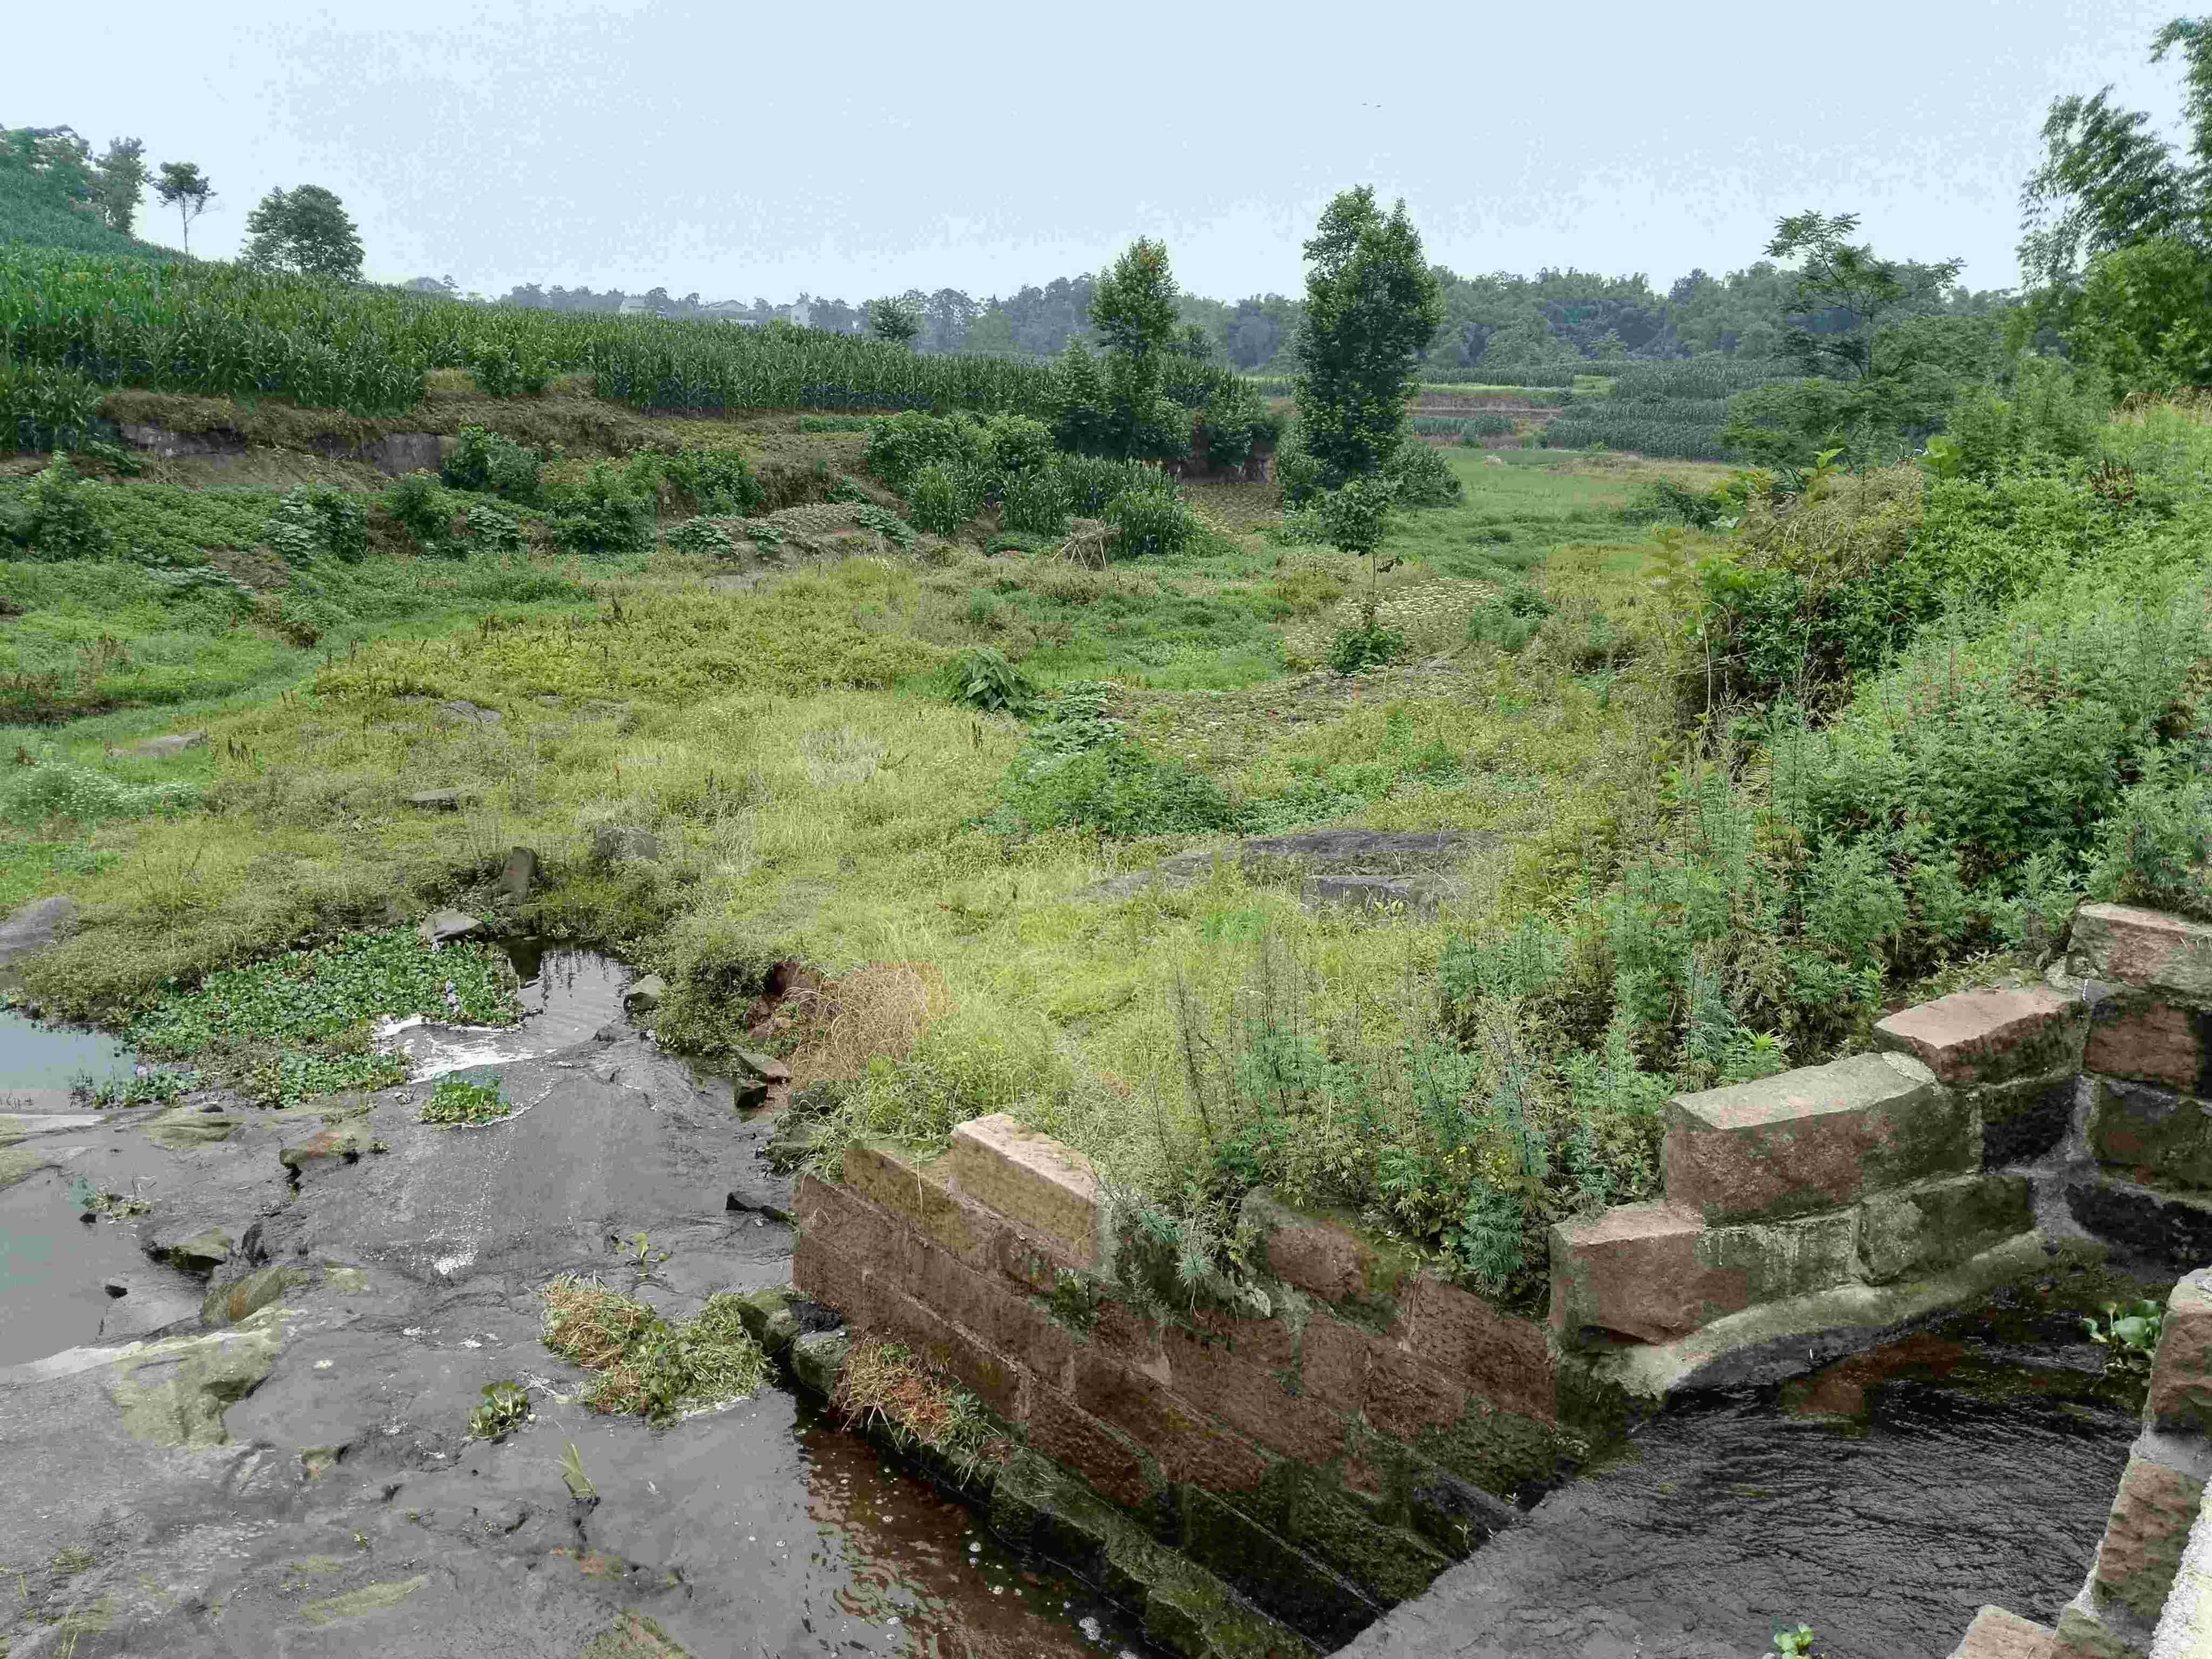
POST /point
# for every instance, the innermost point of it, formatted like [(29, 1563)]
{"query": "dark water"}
[(1879, 1501), (800, 1537), (795, 1538)]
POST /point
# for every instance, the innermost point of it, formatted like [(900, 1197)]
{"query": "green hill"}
[(34, 210)]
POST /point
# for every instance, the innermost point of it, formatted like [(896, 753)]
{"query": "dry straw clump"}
[(879, 1008), (886, 1384)]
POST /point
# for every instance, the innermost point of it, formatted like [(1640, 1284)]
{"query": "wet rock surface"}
[(1881, 1501), (248, 1434)]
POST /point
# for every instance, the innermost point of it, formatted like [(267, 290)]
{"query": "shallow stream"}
[(802, 1536), (1880, 1501)]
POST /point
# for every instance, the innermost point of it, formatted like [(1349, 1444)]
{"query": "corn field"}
[(218, 330), (1648, 429)]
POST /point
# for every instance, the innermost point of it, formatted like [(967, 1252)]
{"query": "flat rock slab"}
[(1383, 894), (166, 747), (35, 925), (1377, 853), (442, 925), (443, 1204)]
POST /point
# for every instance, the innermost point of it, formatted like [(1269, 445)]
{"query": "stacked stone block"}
[(1329, 1457), (2146, 979), (1867, 1170)]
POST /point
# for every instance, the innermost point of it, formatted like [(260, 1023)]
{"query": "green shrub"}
[(2157, 846), (1367, 645), (700, 535), (940, 501), (1116, 788), (310, 523), (1019, 445), (982, 678), (1151, 521), (1488, 425), (603, 515), (417, 503), (900, 447), (1037, 501), (718, 481), (497, 372), (1422, 477), (54, 519), (494, 529), (487, 463), (885, 523)]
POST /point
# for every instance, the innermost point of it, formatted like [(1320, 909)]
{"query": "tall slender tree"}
[(182, 186)]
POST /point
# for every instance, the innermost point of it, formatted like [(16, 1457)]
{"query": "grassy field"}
[(781, 730), (778, 706)]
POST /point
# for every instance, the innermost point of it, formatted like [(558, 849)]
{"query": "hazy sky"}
[(849, 150)]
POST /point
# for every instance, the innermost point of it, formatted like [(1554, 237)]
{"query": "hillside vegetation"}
[(871, 734)]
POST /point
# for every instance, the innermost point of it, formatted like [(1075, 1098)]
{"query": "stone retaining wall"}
[(1331, 1443), (2089, 1092), (1328, 1455)]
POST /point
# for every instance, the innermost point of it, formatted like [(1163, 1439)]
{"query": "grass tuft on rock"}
[(887, 1385), (646, 1365), (463, 1100)]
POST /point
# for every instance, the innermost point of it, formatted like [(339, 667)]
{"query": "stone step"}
[(1997, 1634)]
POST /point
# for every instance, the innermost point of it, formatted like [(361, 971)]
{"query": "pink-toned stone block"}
[(1031, 1179), (2145, 1535), (1988, 1036), (2144, 948), (1654, 1273), (1815, 1138), (2181, 1375), (1997, 1634)]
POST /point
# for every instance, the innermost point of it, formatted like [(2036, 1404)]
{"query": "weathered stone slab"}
[(1988, 1036), (643, 994), (1030, 1178), (2181, 1376), (1997, 1634), (2152, 1514), (2147, 949), (1934, 1227), (2152, 1041), (2160, 1139), (441, 926), (518, 874), (1652, 1272), (1815, 1138), (35, 925), (1320, 1253), (1412, 897)]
